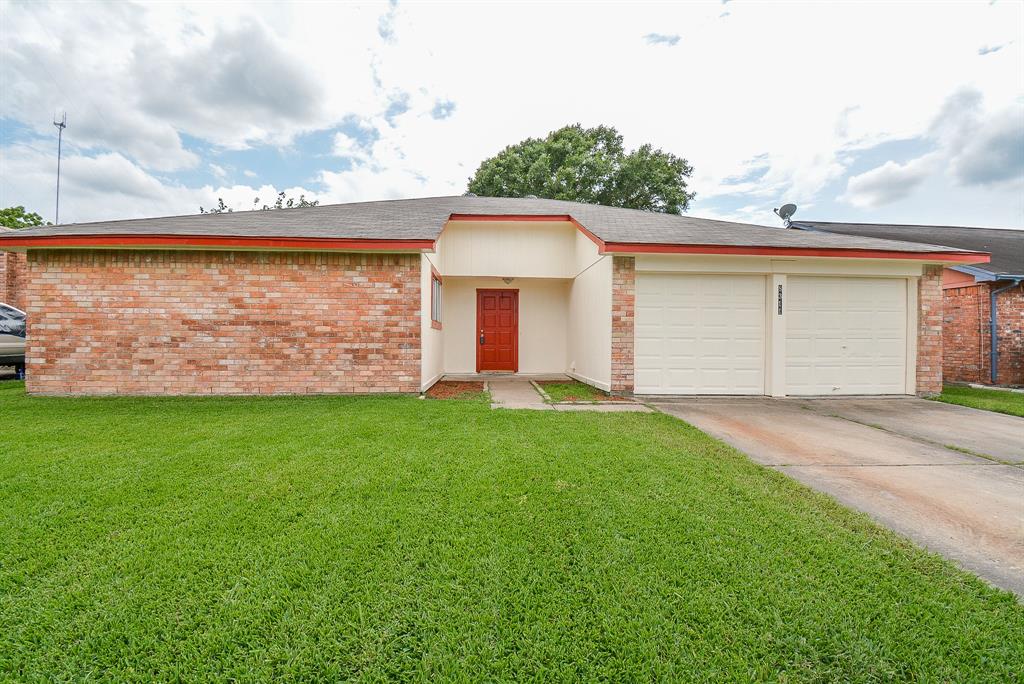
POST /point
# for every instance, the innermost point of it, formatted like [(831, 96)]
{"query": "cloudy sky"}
[(910, 113)]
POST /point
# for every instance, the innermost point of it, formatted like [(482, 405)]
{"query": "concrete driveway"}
[(948, 477)]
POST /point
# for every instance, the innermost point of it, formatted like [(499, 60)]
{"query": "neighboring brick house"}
[(391, 296), (969, 292), (12, 272)]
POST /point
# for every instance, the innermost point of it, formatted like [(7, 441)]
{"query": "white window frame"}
[(436, 299)]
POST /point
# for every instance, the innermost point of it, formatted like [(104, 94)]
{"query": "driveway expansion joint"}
[(922, 440)]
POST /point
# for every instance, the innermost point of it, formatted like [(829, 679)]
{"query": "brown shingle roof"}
[(424, 219)]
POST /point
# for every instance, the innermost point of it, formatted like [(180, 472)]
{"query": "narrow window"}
[(435, 300)]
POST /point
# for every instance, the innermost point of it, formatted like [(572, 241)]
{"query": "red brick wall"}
[(965, 334), (929, 331), (966, 338), (1010, 332), (12, 273), (623, 305), (166, 322)]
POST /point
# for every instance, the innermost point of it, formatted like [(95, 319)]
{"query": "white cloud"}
[(889, 182), (218, 171), (662, 39), (134, 78), (386, 23), (236, 86), (984, 147), (729, 96), (974, 146), (347, 147), (110, 186), (106, 186)]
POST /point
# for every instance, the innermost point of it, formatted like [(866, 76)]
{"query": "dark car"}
[(12, 338)]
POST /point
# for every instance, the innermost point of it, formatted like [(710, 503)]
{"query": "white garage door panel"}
[(846, 336), (699, 334)]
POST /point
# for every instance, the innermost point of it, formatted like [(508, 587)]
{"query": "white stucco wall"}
[(535, 249), (432, 360), (543, 314), (590, 316)]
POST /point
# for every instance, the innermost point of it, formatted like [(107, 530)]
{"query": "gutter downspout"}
[(993, 335)]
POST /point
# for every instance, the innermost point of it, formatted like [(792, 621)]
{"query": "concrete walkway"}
[(945, 476), (516, 394)]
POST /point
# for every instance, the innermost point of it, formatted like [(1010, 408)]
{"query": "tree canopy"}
[(17, 217), (282, 202), (587, 165)]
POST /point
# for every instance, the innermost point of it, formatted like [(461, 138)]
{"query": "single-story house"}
[(983, 304), (390, 296)]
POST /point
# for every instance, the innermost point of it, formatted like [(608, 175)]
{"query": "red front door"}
[(497, 328)]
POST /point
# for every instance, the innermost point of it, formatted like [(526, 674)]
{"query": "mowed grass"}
[(392, 538), (572, 391), (1000, 401)]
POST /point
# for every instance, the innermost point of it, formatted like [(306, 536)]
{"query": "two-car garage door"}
[(707, 334)]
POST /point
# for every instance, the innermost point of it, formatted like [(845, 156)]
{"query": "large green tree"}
[(587, 165), (17, 217)]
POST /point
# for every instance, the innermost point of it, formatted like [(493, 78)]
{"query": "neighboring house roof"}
[(417, 223), (1005, 245)]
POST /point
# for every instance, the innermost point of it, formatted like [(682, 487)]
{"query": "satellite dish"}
[(786, 211)]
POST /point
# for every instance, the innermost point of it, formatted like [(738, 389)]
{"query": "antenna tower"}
[(61, 125)]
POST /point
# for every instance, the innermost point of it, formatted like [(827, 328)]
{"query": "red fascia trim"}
[(342, 244), (510, 217), (601, 247), (645, 248)]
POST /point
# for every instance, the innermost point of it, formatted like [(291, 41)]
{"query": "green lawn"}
[(393, 538), (572, 391), (990, 400)]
